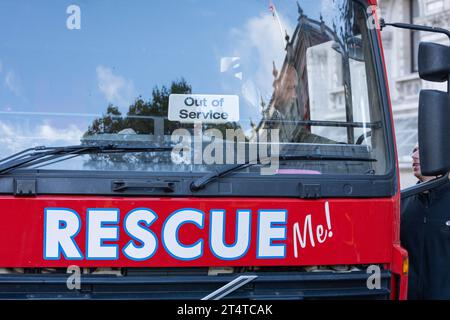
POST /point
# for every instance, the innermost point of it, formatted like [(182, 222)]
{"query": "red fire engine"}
[(149, 215)]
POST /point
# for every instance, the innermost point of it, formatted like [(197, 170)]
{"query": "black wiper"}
[(32, 156), (202, 182)]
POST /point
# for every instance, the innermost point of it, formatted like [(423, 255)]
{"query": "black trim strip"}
[(270, 285)]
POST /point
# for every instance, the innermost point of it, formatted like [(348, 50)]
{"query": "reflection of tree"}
[(222, 127), (140, 113), (136, 128), (139, 127)]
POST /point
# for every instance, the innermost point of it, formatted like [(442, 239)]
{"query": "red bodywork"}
[(400, 255), (362, 230)]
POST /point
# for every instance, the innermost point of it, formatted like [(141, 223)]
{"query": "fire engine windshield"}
[(219, 82)]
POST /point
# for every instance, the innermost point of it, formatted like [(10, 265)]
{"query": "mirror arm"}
[(414, 27), (426, 186)]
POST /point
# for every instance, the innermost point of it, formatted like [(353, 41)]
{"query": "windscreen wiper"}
[(202, 182), (33, 156)]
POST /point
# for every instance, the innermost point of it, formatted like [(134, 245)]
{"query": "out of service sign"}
[(204, 108)]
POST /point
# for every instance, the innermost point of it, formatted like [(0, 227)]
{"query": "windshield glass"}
[(222, 82)]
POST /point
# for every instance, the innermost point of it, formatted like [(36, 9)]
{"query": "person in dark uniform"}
[(425, 234)]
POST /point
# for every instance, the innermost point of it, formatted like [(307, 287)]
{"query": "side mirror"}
[(434, 132), (434, 110), (434, 62)]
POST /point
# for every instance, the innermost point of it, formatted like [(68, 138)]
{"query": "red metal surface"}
[(361, 230), (399, 254)]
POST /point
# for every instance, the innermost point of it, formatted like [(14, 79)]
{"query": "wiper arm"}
[(202, 182), (33, 156)]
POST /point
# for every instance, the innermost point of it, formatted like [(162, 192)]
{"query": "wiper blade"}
[(202, 182), (37, 155)]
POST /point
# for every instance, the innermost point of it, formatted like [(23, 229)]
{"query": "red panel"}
[(362, 230)]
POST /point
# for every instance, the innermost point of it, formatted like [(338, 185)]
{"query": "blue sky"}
[(125, 48)]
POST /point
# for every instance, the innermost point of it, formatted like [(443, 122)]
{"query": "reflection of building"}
[(322, 82), (290, 101), (401, 48)]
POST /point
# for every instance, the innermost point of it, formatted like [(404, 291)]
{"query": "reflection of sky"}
[(124, 49)]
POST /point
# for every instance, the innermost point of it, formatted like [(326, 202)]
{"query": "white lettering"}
[(135, 230), (60, 228), (170, 234), (98, 231), (321, 234), (272, 226), (242, 235)]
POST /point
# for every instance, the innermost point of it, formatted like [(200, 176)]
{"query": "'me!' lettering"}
[(103, 229)]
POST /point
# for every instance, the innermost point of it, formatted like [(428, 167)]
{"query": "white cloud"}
[(116, 89), (260, 43), (12, 82), (251, 93), (328, 9), (16, 136), (71, 134)]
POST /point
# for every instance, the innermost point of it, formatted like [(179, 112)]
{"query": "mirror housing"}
[(434, 110), (434, 132), (434, 62)]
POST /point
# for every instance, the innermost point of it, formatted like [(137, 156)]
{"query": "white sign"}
[(191, 108)]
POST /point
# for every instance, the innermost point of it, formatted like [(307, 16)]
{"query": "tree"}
[(141, 113), (140, 118), (111, 122)]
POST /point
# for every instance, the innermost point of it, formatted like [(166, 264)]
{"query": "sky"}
[(54, 80)]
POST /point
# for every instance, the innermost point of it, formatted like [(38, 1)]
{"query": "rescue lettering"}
[(103, 229)]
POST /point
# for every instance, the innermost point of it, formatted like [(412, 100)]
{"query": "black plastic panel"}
[(234, 185), (269, 285)]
